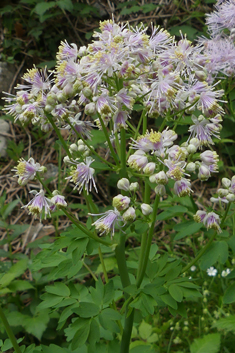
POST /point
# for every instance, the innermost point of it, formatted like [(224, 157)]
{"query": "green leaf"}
[(229, 295), (187, 228), (169, 300), (15, 271), (145, 330), (225, 323), (176, 292), (9, 208), (20, 285), (78, 332), (42, 7), (209, 344), (49, 300), (65, 5), (36, 325), (218, 251), (87, 310), (59, 289)]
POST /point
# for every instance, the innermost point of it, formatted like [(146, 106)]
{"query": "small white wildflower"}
[(212, 272)]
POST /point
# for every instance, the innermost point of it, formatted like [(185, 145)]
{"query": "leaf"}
[(187, 228), (20, 285), (65, 5), (15, 271), (229, 295), (9, 208), (36, 325), (218, 251), (209, 344), (87, 310), (145, 330), (176, 292), (59, 289), (42, 7), (225, 323)]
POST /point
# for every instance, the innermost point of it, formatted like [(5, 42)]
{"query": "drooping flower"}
[(212, 221), (57, 200), (39, 205), (199, 216), (121, 202), (203, 130), (83, 127), (106, 224), (182, 187), (138, 160), (26, 170), (82, 176)]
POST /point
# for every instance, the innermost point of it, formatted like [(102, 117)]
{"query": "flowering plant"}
[(157, 112)]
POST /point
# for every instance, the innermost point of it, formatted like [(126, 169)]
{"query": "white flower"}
[(193, 268), (226, 272), (212, 272)]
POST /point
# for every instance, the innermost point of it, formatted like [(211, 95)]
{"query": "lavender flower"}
[(211, 221), (82, 176), (26, 170), (106, 224), (182, 187), (57, 200), (39, 205)]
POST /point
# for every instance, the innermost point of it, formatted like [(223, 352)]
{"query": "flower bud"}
[(204, 173), (73, 147), (66, 160), (48, 108), (149, 168), (61, 97), (194, 141), (191, 167), (77, 86), (134, 186), (222, 192), (146, 209), (123, 184), (90, 109), (87, 92), (129, 215), (160, 190), (191, 149), (159, 178), (121, 202), (226, 182), (230, 197)]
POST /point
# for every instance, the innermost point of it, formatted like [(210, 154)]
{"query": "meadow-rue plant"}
[(133, 90)]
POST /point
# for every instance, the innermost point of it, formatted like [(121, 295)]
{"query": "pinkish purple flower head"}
[(209, 157), (182, 187), (220, 53), (203, 129), (204, 172), (124, 97), (150, 141), (82, 176), (67, 72), (67, 52), (160, 39), (175, 168), (212, 221), (26, 170), (222, 18), (106, 224), (37, 80), (177, 153), (39, 205)]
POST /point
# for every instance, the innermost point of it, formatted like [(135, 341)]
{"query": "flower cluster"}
[(219, 49), (211, 220), (227, 193)]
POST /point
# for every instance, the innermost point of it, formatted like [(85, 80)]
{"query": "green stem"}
[(83, 229), (9, 331), (43, 184), (162, 125), (123, 172), (195, 260), (90, 271), (108, 141), (144, 123), (103, 265), (148, 241), (121, 261), (59, 136)]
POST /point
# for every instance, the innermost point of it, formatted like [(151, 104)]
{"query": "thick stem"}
[(9, 331), (148, 242), (121, 261)]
